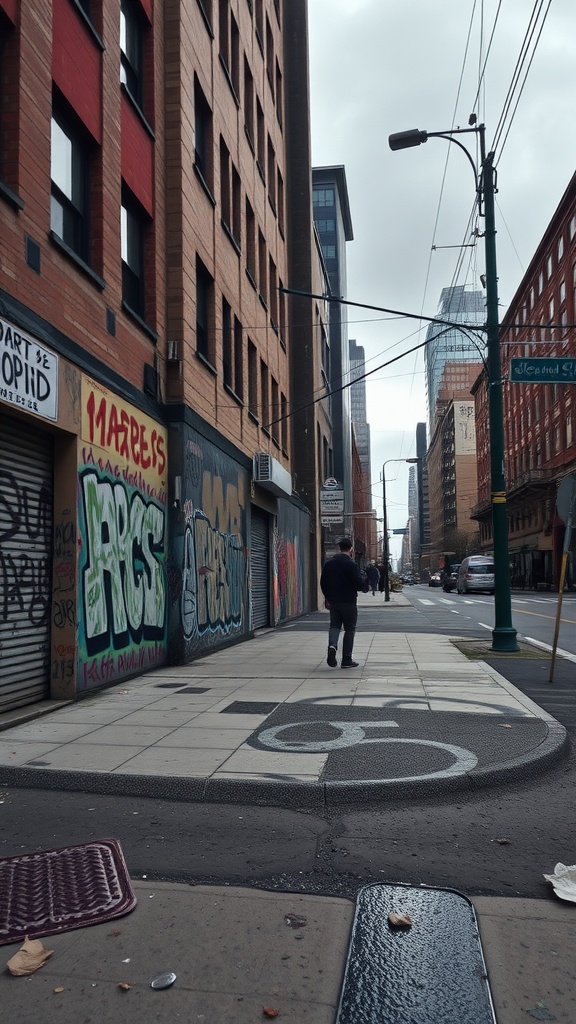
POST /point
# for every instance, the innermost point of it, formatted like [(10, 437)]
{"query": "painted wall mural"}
[(208, 565), (122, 539), (291, 562)]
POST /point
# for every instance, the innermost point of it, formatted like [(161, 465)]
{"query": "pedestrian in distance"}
[(373, 577), (340, 581)]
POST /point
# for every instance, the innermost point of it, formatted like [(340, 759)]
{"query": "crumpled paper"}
[(564, 882), (29, 957)]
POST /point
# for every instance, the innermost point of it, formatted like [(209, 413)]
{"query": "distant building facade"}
[(450, 344)]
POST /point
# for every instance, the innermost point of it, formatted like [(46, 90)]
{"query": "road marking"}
[(540, 615), (352, 734), (547, 647), (424, 600), (484, 625)]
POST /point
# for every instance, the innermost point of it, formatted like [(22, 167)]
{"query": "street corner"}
[(376, 751)]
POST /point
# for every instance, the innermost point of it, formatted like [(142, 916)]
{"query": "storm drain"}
[(429, 971), (55, 891)]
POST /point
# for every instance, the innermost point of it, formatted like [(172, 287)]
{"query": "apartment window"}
[(236, 206), (249, 103), (9, 85), (224, 30), (260, 141), (284, 423), (562, 291), (227, 363), (229, 46), (560, 248), (568, 429), (271, 174), (251, 244), (273, 285), (262, 268), (225, 187), (549, 266), (70, 173), (204, 313), (238, 359), (203, 162), (281, 312), (133, 223), (252, 380), (206, 8), (280, 201), (572, 227), (269, 56), (275, 422), (540, 282), (279, 94), (278, 12), (131, 50), (326, 226), (323, 197), (260, 23), (264, 396), (329, 252)]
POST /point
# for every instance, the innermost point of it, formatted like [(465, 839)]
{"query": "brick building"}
[(539, 418), (145, 393)]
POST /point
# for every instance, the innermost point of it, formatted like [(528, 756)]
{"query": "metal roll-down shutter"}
[(260, 569)]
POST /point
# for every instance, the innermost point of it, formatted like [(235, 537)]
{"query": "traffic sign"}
[(541, 371)]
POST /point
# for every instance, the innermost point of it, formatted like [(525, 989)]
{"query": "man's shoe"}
[(331, 659), (349, 664)]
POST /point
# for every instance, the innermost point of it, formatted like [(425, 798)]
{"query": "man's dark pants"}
[(343, 616)]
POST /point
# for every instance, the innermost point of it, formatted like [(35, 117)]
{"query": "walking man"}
[(340, 581), (373, 577)]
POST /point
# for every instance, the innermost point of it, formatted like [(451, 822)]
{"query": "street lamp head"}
[(405, 140)]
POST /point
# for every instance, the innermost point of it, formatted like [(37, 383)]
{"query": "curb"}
[(279, 792)]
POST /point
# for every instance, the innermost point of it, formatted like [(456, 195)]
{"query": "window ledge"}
[(248, 135), (272, 205), (206, 362), (233, 394), (141, 323), (61, 245), (228, 77), (230, 237), (206, 18), (89, 25), (261, 171), (11, 196), (263, 301), (251, 278), (204, 184), (138, 109), (252, 416)]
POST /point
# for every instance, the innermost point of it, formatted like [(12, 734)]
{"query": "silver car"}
[(476, 574)]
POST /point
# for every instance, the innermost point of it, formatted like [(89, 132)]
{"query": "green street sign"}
[(542, 371)]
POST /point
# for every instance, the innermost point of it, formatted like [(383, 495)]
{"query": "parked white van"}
[(476, 573)]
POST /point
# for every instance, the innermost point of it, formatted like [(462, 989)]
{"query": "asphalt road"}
[(496, 841)]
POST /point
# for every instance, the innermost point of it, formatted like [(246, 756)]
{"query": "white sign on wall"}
[(28, 372)]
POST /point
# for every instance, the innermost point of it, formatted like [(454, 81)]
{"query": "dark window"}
[(227, 365), (273, 285), (70, 173), (204, 312), (238, 359), (284, 425), (271, 174), (9, 86), (280, 201), (260, 23), (236, 206), (262, 268), (265, 396), (235, 55), (252, 379), (251, 243), (275, 423), (225, 195), (131, 50), (133, 224), (206, 8), (249, 102), (203, 136), (261, 140), (270, 56), (85, 5), (279, 94)]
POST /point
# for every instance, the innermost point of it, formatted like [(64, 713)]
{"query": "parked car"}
[(450, 577), (435, 580), (476, 573)]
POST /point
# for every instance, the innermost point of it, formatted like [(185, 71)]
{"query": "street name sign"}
[(331, 520), (553, 371)]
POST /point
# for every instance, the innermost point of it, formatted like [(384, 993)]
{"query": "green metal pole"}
[(503, 634), (386, 552)]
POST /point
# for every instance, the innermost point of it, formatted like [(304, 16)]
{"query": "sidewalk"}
[(267, 721)]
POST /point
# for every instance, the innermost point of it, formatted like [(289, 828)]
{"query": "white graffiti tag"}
[(353, 734)]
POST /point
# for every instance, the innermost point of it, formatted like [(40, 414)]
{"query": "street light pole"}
[(503, 634), (385, 548)]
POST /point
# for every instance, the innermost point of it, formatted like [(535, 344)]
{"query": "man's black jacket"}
[(341, 580)]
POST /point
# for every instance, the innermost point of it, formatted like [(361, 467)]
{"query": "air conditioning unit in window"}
[(270, 475)]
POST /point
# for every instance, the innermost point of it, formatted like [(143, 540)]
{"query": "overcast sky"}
[(382, 66)]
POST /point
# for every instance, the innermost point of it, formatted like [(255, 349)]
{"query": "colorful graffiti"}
[(290, 570), (122, 526), (25, 574), (209, 578)]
